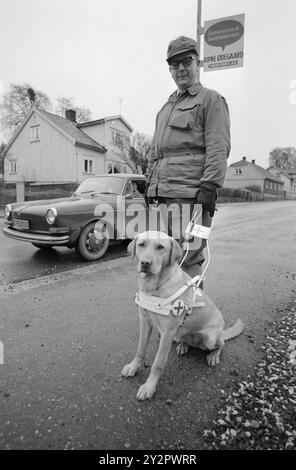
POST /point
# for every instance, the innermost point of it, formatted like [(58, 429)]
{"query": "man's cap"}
[(180, 45)]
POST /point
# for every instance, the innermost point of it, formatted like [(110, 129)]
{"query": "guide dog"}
[(200, 326)]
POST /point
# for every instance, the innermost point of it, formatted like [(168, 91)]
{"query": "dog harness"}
[(173, 304)]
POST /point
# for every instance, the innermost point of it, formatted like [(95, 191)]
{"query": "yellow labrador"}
[(161, 277)]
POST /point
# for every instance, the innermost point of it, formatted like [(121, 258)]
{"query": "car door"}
[(135, 207)]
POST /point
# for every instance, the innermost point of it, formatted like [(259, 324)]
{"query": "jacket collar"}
[(193, 90)]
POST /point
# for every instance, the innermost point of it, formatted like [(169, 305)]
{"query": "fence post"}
[(20, 191)]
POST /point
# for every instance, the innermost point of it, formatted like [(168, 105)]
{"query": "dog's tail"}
[(233, 331)]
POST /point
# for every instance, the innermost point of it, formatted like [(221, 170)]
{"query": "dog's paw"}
[(130, 369), (145, 392), (213, 358), (182, 349)]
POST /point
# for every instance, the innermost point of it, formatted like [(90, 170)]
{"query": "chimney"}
[(71, 115), (32, 96), (253, 161), (244, 159)]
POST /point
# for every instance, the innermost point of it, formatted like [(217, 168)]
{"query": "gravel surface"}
[(261, 412)]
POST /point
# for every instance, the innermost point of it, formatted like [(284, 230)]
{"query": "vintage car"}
[(97, 213)]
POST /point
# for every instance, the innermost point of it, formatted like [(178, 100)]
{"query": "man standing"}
[(191, 143)]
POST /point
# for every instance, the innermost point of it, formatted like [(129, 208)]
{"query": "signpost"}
[(223, 41)]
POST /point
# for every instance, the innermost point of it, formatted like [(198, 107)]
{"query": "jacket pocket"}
[(184, 117), (186, 170)]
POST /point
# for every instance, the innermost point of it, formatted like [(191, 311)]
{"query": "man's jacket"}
[(191, 143)]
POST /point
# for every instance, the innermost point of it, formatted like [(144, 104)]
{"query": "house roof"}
[(265, 174), (290, 171), (280, 170), (68, 127), (240, 163), (105, 119)]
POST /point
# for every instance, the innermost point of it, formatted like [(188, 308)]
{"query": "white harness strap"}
[(172, 304), (183, 289)]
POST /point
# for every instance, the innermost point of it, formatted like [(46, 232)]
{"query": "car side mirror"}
[(129, 196)]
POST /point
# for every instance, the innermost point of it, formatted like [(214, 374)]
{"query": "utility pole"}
[(199, 32)]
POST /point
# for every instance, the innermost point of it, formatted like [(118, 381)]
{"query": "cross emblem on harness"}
[(178, 307)]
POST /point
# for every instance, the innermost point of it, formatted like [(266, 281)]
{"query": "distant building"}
[(112, 132), (292, 174), (50, 148), (247, 175), (288, 176)]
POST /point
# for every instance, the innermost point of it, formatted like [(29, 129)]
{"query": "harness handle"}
[(206, 221)]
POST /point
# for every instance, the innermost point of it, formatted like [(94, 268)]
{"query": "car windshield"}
[(101, 185)]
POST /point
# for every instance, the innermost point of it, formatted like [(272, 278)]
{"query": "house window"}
[(88, 166), (35, 133), (13, 167), (238, 171), (118, 138), (112, 168)]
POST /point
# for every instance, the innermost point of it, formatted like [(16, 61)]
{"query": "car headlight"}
[(7, 211), (51, 216)]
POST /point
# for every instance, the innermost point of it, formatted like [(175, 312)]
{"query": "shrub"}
[(254, 187), (232, 192)]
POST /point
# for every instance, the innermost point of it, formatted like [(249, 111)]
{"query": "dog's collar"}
[(173, 304)]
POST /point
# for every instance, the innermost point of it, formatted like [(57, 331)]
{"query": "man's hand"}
[(207, 196)]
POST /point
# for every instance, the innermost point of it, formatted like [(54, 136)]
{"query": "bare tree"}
[(283, 158), (134, 151), (82, 114), (126, 153), (17, 102), (2, 147), (142, 145)]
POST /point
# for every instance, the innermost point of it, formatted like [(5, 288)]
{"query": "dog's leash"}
[(201, 231)]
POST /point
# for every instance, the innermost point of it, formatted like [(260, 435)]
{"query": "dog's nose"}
[(145, 264)]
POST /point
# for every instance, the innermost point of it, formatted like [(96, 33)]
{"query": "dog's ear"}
[(132, 247), (175, 252)]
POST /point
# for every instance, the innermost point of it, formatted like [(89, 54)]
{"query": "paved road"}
[(20, 261), (66, 337)]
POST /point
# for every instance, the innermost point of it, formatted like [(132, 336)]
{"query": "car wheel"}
[(42, 247), (93, 241)]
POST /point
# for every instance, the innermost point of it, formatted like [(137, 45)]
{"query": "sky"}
[(109, 55)]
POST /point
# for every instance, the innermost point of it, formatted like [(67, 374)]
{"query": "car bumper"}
[(40, 238)]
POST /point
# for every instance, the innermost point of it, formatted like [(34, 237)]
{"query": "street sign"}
[(224, 43)]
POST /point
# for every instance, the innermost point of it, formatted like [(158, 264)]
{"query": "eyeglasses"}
[(174, 64)]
